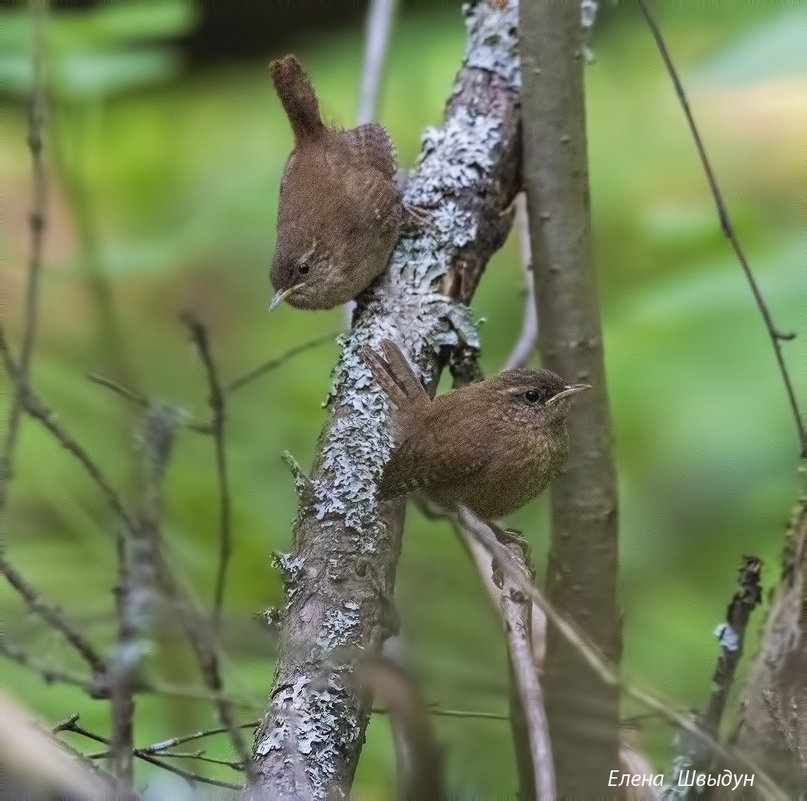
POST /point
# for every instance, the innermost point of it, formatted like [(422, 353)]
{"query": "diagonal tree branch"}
[(340, 576)]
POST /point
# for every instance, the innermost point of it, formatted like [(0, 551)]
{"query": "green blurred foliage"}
[(163, 191)]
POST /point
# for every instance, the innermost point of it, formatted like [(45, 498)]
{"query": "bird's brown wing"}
[(370, 146), (447, 456)]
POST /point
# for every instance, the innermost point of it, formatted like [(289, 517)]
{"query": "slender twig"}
[(50, 675), (515, 610), (72, 725), (121, 674), (775, 334), (525, 344), (252, 724), (185, 774), (605, 670), (98, 687), (218, 422), (200, 755), (54, 617), (205, 648), (39, 411), (529, 702), (376, 41), (36, 124), (141, 400), (270, 365)]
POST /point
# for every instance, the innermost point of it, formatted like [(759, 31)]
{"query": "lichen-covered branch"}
[(582, 574), (340, 576)]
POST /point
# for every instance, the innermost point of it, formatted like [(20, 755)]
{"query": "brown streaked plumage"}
[(340, 211), (491, 446)]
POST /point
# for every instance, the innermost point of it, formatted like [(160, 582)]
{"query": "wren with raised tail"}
[(340, 209), (492, 445)]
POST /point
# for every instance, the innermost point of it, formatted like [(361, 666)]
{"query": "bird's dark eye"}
[(532, 395), (303, 268)]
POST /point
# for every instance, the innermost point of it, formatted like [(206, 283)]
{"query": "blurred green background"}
[(164, 148)]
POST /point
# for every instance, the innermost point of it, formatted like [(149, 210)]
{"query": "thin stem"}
[(218, 423), (54, 617), (49, 674), (525, 344), (36, 124), (529, 703), (142, 401), (776, 336), (270, 365), (39, 411), (72, 725)]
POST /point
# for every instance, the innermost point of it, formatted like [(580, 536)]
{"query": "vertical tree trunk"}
[(582, 575)]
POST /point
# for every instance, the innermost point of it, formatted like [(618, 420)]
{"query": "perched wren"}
[(340, 209), (492, 445)]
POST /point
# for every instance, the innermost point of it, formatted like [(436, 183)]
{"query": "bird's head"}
[(533, 397)]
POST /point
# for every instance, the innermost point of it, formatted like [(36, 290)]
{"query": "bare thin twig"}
[(205, 647), (36, 124), (776, 336), (39, 411), (121, 675), (525, 344), (141, 400), (54, 617), (515, 609), (72, 725), (277, 361), (49, 674), (218, 422), (605, 670)]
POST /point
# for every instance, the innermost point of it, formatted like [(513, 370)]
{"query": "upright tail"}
[(297, 96), (396, 377)]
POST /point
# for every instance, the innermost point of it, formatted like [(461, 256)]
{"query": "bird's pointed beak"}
[(281, 295), (572, 389)]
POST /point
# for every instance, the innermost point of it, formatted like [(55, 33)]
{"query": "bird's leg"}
[(510, 536)]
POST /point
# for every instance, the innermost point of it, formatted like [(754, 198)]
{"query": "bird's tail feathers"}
[(297, 96), (395, 376)]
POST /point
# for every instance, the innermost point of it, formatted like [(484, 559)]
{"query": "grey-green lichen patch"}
[(492, 42), (339, 626), (290, 566), (306, 725)]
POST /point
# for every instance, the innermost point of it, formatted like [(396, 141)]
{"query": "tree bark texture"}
[(340, 576), (773, 721), (583, 711)]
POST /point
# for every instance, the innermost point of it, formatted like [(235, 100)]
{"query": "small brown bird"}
[(491, 446), (340, 208)]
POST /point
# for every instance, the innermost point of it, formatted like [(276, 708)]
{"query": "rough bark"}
[(773, 722), (582, 573), (339, 578)]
